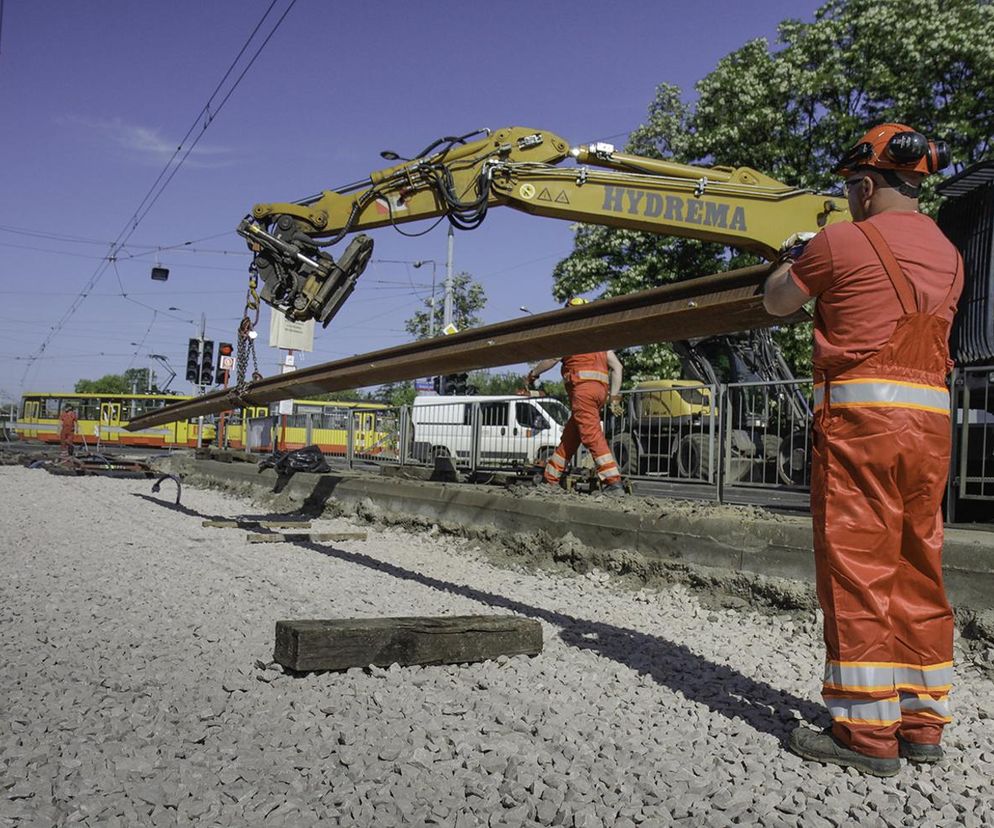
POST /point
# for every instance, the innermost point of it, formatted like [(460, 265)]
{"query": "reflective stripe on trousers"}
[(883, 694), (883, 393)]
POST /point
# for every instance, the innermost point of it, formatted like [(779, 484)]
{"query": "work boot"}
[(919, 753), (614, 490), (822, 746)]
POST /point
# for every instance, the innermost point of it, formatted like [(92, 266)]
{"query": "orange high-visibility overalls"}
[(587, 378), (881, 459)]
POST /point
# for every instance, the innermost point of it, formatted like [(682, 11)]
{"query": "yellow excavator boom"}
[(517, 167)]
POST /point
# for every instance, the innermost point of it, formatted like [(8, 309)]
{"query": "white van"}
[(513, 430)]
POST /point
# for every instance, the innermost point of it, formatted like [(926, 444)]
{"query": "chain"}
[(246, 339)]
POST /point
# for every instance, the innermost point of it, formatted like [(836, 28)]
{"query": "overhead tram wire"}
[(165, 176), (149, 248)]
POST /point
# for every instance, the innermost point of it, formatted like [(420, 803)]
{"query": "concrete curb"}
[(735, 540)]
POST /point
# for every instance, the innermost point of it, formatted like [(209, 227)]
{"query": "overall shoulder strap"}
[(905, 294)]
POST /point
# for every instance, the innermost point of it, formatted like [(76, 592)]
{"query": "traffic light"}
[(207, 363), (439, 385), (193, 361), (225, 360)]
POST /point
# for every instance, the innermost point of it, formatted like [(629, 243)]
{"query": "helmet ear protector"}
[(891, 148)]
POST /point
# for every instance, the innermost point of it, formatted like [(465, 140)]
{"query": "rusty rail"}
[(721, 303)]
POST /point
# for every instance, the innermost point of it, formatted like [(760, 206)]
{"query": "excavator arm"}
[(516, 167)]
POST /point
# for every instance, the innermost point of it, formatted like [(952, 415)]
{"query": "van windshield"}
[(556, 410)]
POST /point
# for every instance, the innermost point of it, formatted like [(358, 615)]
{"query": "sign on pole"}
[(285, 333)]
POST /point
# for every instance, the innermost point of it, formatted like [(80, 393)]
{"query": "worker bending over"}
[(588, 378), (887, 287)]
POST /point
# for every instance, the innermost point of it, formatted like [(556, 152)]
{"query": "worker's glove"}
[(793, 247), (616, 407)]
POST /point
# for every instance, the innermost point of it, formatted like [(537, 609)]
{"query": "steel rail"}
[(717, 304)]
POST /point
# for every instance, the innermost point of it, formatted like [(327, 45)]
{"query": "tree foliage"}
[(790, 111), (132, 381), (468, 299)]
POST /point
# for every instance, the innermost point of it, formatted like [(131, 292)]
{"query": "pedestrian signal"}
[(193, 361), (225, 357)]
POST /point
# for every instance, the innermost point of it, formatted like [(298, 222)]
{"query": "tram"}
[(325, 424), (103, 417)]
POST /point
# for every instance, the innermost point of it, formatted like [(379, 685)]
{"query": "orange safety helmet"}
[(894, 147)]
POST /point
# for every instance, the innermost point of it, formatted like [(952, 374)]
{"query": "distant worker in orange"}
[(887, 287), (68, 419), (588, 378)]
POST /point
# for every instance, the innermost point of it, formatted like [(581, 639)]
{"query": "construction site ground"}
[(138, 686)]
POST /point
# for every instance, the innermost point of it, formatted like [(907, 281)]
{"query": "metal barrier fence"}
[(722, 439), (971, 477), (744, 442), (767, 431), (669, 432), (358, 434)]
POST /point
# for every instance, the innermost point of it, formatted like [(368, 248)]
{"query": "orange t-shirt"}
[(858, 308)]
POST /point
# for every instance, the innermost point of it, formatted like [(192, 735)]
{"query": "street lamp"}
[(431, 317)]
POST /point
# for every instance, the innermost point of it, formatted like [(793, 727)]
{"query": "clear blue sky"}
[(95, 97)]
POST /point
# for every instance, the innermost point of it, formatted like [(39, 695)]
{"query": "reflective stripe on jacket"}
[(586, 367)]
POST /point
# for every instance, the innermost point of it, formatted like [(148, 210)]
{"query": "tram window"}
[(50, 407), (86, 409), (335, 418)]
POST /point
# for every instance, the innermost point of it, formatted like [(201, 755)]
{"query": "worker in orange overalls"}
[(588, 378), (67, 429), (887, 287)]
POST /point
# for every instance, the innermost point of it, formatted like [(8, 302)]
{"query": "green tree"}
[(488, 383), (509, 382), (353, 395), (133, 380), (396, 393), (790, 112), (468, 299)]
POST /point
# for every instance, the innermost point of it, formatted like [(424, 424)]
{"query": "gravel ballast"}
[(137, 687)]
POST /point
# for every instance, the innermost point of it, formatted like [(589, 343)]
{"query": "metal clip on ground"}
[(175, 479)]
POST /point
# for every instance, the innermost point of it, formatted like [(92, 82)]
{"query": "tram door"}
[(110, 422), (31, 411), (365, 423)]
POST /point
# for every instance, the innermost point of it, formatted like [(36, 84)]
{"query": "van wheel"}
[(542, 456)]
